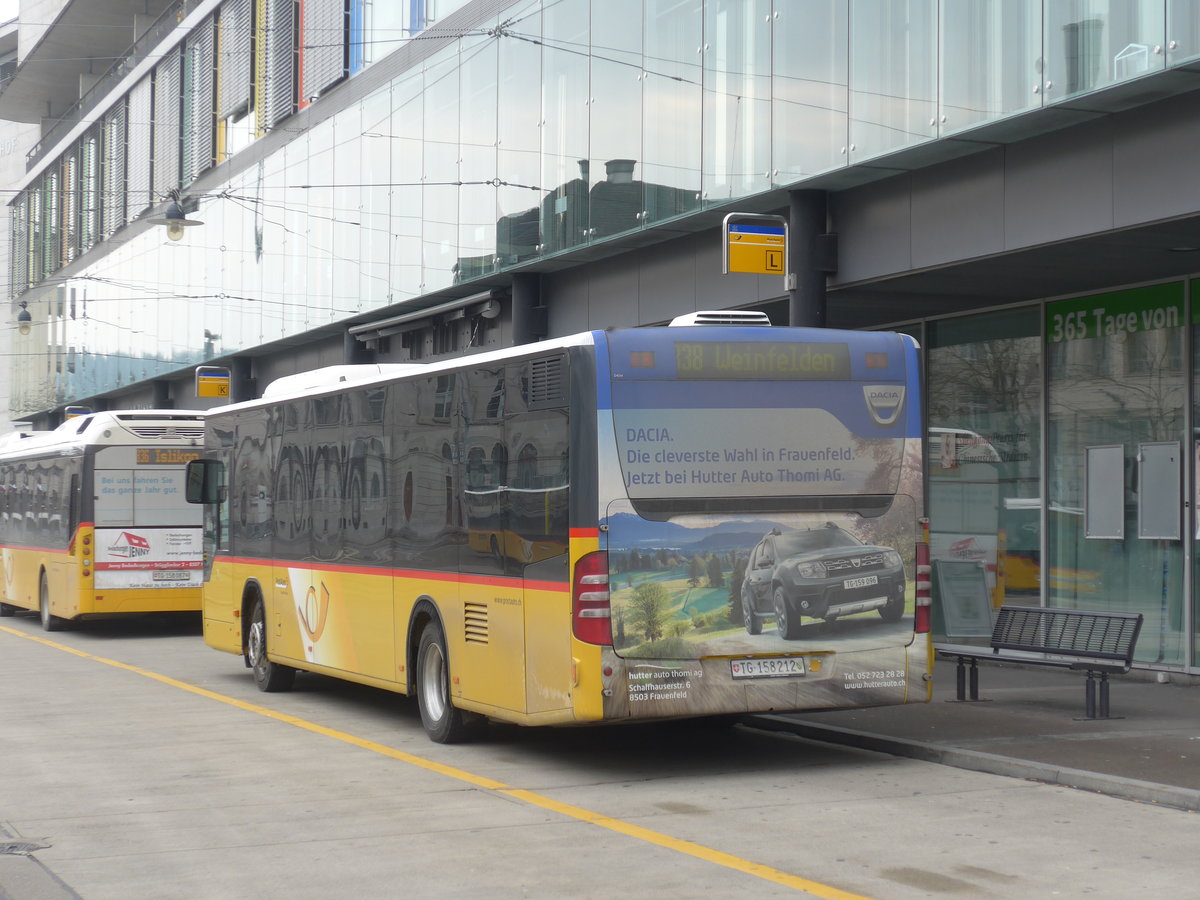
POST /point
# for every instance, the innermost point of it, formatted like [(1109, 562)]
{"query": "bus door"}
[(491, 560)]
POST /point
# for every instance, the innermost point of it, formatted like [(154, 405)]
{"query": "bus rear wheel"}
[(269, 676), (49, 622), (443, 722)]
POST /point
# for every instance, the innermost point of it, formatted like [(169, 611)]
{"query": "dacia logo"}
[(884, 402)]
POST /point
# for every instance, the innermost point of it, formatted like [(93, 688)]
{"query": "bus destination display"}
[(761, 360)]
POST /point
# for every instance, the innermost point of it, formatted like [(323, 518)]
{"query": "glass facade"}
[(542, 129), (1059, 458)]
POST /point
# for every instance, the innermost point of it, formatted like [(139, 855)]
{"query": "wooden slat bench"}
[(1099, 643)]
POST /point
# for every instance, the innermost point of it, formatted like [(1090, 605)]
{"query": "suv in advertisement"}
[(822, 573)]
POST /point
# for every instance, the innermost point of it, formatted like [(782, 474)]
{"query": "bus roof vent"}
[(333, 376), (547, 387), (159, 423), (723, 317)]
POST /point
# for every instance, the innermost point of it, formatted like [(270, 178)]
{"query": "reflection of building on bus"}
[(515, 496), (93, 519)]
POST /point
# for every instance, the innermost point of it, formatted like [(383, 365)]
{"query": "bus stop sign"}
[(754, 244), (212, 381)]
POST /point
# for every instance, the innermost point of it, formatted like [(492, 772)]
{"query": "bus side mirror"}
[(205, 481)]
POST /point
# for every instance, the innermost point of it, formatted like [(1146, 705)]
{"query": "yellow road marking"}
[(699, 851)]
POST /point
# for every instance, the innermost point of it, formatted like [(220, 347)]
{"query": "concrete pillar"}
[(809, 250), (354, 351), (528, 312), (162, 395), (241, 380)]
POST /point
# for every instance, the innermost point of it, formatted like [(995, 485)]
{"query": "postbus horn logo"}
[(129, 545)]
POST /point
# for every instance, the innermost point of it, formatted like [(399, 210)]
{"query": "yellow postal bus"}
[(93, 519), (647, 523)]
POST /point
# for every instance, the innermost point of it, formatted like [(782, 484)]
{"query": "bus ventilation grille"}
[(546, 387), (168, 431), (475, 621), (723, 317)]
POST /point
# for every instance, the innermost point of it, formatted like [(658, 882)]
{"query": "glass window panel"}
[(983, 462), (737, 98), (477, 150), (519, 156), (672, 105), (893, 75), (295, 224), (345, 217), (565, 97), (407, 197), (990, 52), (1116, 378), (809, 92), (616, 128), (1183, 31), (1089, 44), (441, 172), (376, 173)]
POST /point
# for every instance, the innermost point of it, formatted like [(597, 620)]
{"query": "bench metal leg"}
[(960, 675), (1090, 697)]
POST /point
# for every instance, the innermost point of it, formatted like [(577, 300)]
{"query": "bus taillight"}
[(590, 612), (922, 613)]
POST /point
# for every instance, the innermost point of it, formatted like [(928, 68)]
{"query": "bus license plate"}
[(171, 576), (767, 667), (865, 581)]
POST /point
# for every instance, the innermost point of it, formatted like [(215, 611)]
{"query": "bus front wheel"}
[(49, 622), (443, 722), (269, 676)]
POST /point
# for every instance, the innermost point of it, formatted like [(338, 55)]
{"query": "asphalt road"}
[(138, 763)]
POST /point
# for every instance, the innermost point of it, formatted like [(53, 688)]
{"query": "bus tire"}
[(7, 610), (270, 677), (787, 620), (49, 622), (443, 722), (749, 617)]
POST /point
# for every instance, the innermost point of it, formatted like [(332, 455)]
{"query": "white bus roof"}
[(331, 378), (129, 426)]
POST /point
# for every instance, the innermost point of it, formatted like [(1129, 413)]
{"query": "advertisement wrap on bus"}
[(799, 441)]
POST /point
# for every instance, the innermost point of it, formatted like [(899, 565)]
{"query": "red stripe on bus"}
[(57, 551), (585, 533), (382, 572)]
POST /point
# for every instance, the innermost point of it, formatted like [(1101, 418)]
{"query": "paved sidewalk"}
[(1030, 725)]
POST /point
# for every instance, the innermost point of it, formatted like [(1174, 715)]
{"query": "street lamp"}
[(175, 219), (24, 318)]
